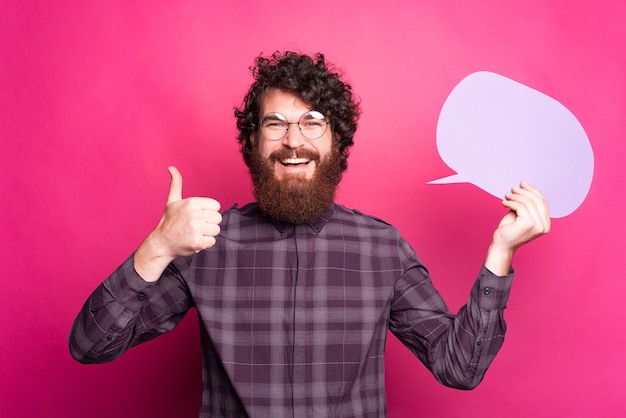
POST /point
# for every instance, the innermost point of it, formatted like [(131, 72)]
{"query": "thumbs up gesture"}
[(188, 226)]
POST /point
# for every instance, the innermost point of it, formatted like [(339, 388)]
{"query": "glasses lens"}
[(274, 126), (313, 124)]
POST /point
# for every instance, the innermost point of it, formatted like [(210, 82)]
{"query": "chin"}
[(303, 175)]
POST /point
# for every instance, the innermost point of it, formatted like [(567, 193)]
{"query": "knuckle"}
[(213, 230)]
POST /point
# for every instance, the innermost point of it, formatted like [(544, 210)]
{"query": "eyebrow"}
[(314, 114), (275, 116)]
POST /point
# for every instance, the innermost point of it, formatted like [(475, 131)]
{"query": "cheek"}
[(325, 147), (266, 148)]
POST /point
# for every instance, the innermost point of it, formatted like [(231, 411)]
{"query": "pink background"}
[(97, 98)]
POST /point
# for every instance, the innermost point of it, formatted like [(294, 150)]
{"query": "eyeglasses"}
[(312, 125)]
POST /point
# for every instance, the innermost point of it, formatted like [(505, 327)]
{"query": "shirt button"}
[(487, 290), (479, 343), (141, 296), (109, 338)]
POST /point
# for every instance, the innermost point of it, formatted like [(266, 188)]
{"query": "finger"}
[(203, 243), (536, 202), (176, 185), (213, 217), (205, 204), (515, 206), (526, 189), (210, 204), (211, 230), (527, 194), (530, 210), (210, 241), (530, 187)]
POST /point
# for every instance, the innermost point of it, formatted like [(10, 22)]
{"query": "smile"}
[(295, 161)]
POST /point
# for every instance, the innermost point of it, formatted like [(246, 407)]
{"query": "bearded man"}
[(296, 293)]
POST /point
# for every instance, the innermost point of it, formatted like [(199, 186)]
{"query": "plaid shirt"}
[(294, 319)]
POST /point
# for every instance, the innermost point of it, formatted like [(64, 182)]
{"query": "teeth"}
[(295, 161)]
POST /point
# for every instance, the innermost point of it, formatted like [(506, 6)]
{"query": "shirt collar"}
[(316, 224)]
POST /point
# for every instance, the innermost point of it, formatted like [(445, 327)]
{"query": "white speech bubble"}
[(495, 132)]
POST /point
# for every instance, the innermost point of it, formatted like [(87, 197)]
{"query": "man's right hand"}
[(188, 226)]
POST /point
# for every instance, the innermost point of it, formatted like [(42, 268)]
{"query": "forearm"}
[(476, 336), (124, 311), (101, 329), (150, 260), (457, 349), (91, 342)]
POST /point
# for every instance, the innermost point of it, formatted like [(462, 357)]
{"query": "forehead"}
[(287, 103)]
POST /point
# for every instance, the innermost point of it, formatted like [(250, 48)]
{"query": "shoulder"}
[(385, 237), (249, 210), (247, 216), (358, 218), (371, 234)]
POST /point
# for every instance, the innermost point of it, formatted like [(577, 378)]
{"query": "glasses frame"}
[(282, 118)]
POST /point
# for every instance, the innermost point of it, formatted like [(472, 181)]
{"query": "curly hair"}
[(318, 85)]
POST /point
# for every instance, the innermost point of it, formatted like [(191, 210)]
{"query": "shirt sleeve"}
[(125, 310), (459, 348)]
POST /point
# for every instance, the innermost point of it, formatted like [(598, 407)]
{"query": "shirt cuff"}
[(128, 288), (491, 291)]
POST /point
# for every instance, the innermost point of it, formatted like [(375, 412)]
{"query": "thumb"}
[(176, 185)]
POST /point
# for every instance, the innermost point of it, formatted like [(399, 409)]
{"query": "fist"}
[(189, 225)]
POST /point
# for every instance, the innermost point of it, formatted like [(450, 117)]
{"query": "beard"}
[(295, 199)]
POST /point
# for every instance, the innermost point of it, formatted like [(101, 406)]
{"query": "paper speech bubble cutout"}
[(495, 132)]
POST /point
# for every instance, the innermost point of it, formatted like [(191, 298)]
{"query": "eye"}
[(312, 119), (312, 123), (272, 124), (274, 121)]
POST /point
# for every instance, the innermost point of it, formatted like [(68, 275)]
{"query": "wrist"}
[(499, 259), (151, 259)]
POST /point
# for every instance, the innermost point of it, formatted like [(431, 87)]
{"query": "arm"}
[(125, 310), (147, 295), (458, 349)]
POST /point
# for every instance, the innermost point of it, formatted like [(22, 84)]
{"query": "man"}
[(295, 293)]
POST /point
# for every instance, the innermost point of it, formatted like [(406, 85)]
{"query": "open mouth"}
[(294, 161)]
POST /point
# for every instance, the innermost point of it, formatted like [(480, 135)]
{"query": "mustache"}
[(282, 154)]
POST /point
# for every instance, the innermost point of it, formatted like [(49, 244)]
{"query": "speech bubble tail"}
[(455, 178)]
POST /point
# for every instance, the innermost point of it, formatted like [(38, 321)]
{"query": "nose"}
[(294, 138)]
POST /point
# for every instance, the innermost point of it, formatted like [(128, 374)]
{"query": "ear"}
[(252, 138)]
